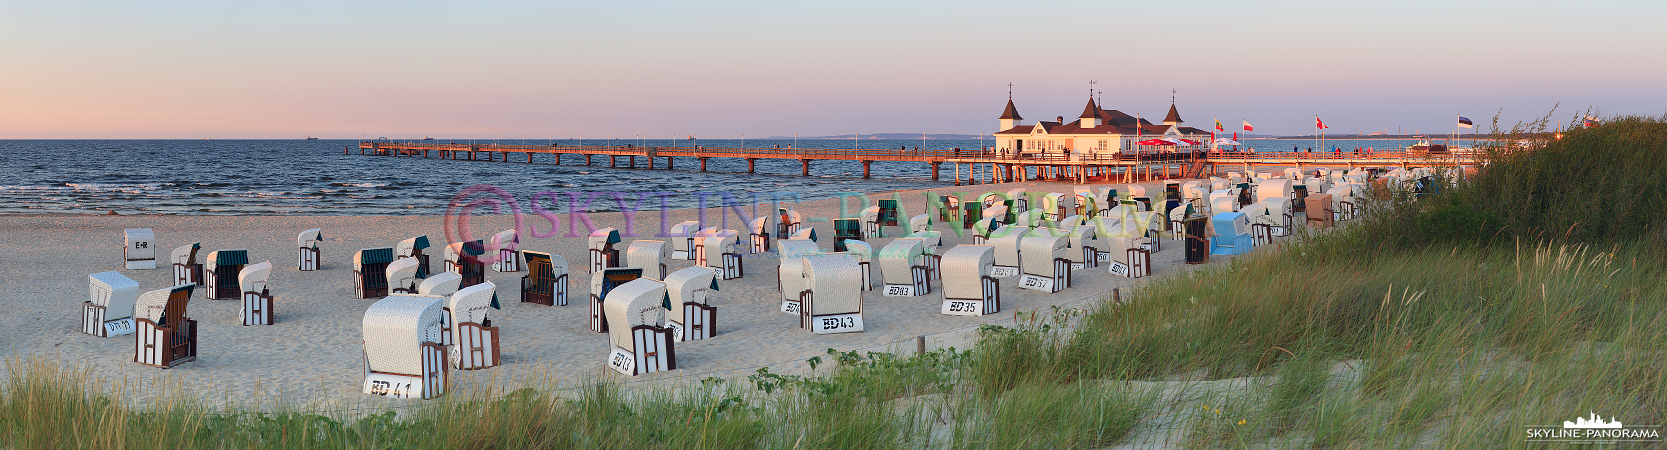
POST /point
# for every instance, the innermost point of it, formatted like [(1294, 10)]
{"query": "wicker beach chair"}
[(692, 315), (903, 269), (789, 273), (186, 268), (404, 353), (413, 248), (257, 299), (682, 240), (402, 275), (1262, 221), (442, 284), (1047, 260), (758, 234), (648, 255), (846, 230), (788, 222), (889, 213), (140, 249), (221, 269), (872, 227), (474, 342), (465, 258), (600, 284), (968, 288), (370, 272), (1006, 242), (716, 250), (164, 335), (108, 310), (638, 343), (508, 243), (1086, 246), (1232, 236), (307, 245), (1320, 211), (864, 254), (602, 252), (832, 303)]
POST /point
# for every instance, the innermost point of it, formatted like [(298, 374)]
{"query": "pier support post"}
[(633, 161), (670, 163), (805, 164), (750, 162), (587, 159), (558, 159), (865, 165), (650, 162), (613, 161), (702, 164), (935, 173)]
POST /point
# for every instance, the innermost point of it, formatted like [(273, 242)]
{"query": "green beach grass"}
[(1526, 294)]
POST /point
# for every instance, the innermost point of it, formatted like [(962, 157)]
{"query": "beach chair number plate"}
[(1119, 269), (963, 308), (390, 385), (1003, 271), (622, 361), (900, 290), (838, 323), (1146, 247), (1035, 282), (790, 307), (1076, 265), (1104, 256), (118, 327)]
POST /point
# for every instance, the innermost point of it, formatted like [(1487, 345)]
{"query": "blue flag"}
[(1464, 122)]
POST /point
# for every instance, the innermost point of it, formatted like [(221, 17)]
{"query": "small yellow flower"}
[(1218, 412), (1241, 421)]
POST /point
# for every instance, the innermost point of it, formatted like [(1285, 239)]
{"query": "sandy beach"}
[(313, 354)]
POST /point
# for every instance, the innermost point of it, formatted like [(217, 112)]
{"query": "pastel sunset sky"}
[(721, 69)]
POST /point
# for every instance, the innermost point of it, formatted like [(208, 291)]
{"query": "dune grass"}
[(1452, 321)]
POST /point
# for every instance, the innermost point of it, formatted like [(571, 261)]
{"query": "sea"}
[(264, 177)]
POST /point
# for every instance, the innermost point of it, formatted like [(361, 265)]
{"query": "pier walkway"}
[(980, 166)]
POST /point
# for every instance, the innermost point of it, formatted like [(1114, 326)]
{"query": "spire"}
[(1090, 111), (1174, 116), (1010, 112)]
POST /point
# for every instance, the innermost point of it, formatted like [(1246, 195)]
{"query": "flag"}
[(1218, 125), (1464, 122), (1247, 127), (1591, 121), (1319, 124)]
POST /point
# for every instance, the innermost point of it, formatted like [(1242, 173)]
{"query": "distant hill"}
[(888, 136)]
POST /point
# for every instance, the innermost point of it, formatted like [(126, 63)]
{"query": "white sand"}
[(312, 355)]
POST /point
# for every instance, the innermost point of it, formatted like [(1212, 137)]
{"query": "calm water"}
[(314, 177)]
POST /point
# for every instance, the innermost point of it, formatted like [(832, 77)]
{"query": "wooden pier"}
[(980, 166)]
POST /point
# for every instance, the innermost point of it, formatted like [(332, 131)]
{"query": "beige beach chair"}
[(832, 303), (402, 276), (1047, 261), (650, 256), (404, 354), (682, 240), (601, 283), (186, 268), (508, 243), (413, 248), (602, 252), (164, 335), (789, 273), (140, 250), (903, 270), (108, 310), (307, 244), (638, 344), (968, 288), (1006, 242), (1319, 211), (716, 250), (692, 315), (474, 343), (257, 299), (546, 280)]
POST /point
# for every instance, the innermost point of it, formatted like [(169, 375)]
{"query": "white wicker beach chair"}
[(140, 249), (402, 276), (638, 343), (871, 226), (257, 299), (1293, 174), (186, 268), (832, 302), (1274, 188), (508, 244), (466, 258), (864, 255), (108, 310), (648, 255), (1316, 185), (307, 244), (413, 248), (1047, 260), (1261, 222), (1085, 246), (370, 272), (1342, 202), (692, 315), (600, 284), (221, 268), (1085, 203), (1280, 213), (758, 233), (1020, 203), (474, 341), (1223, 201), (717, 251), (404, 356), (968, 288), (442, 284), (164, 335), (789, 276), (1056, 205), (788, 222), (1006, 242), (682, 240), (602, 252), (903, 270)]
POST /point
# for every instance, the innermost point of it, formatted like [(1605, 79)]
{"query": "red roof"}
[(1090, 111), (1010, 112), (1174, 116)]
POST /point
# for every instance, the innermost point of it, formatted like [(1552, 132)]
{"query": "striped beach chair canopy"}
[(410, 246), (231, 257), (382, 255)]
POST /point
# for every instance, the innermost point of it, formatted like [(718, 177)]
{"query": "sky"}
[(726, 69)]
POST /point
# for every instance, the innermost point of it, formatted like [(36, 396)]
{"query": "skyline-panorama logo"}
[(1594, 429)]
